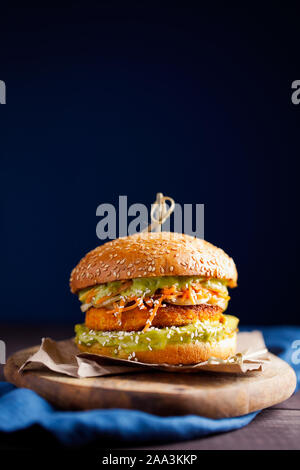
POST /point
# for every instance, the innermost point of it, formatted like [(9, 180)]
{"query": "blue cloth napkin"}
[(22, 408)]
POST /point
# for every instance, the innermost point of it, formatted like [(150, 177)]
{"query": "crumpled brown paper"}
[(63, 357)]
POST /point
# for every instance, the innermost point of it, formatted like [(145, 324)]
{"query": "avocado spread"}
[(148, 286), (157, 338)]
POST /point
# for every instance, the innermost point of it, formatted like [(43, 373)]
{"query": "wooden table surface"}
[(274, 428)]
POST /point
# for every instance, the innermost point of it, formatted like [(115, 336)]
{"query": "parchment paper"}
[(63, 357)]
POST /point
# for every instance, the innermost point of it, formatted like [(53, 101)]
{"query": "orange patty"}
[(135, 319)]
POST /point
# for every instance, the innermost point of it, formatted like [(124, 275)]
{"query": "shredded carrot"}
[(191, 296), (123, 286), (135, 305), (197, 287), (89, 296), (186, 294), (119, 309), (169, 290), (154, 311), (99, 301)]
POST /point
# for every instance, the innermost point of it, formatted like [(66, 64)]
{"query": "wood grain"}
[(206, 394), (273, 429)]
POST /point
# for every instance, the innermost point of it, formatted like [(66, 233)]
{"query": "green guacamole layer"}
[(157, 338), (149, 285)]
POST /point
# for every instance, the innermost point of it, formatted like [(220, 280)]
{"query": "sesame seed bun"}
[(191, 353), (151, 255)]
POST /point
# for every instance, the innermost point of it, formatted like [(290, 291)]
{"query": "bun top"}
[(152, 254)]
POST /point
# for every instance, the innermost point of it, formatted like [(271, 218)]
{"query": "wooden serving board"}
[(208, 394)]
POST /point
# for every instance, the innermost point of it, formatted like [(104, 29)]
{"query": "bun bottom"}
[(174, 354)]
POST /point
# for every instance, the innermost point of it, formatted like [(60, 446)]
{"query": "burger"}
[(156, 298)]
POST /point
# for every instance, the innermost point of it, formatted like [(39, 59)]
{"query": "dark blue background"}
[(104, 100)]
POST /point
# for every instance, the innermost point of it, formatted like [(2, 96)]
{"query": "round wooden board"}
[(208, 394)]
